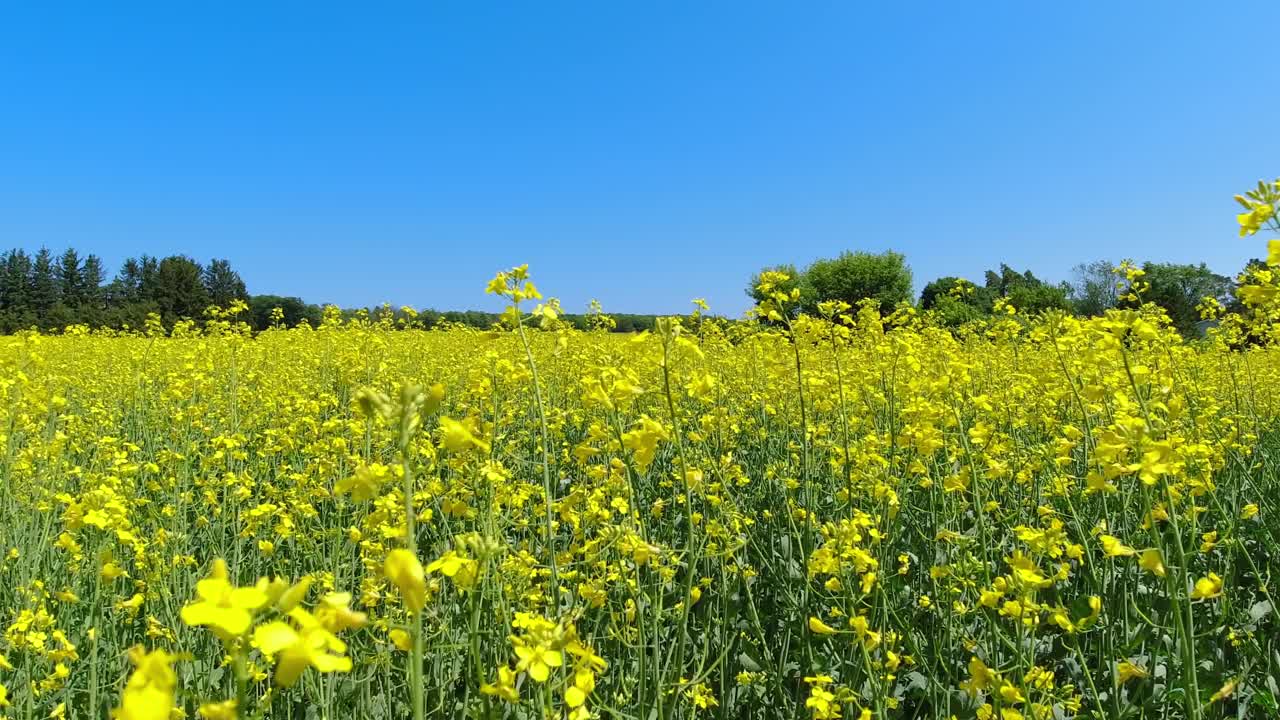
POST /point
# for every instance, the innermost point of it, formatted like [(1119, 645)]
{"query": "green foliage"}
[(71, 285), (1094, 291), (51, 293), (952, 311), (797, 280), (935, 289), (1026, 292), (43, 286), (955, 301), (223, 284), (294, 311), (1179, 289), (15, 283), (854, 276), (179, 288)]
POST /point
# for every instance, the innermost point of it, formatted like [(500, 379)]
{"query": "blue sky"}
[(639, 153)]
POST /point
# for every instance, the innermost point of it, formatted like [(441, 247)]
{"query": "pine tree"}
[(70, 279), (179, 288), (223, 284), (91, 276), (44, 285), (148, 272), (127, 286), (15, 281)]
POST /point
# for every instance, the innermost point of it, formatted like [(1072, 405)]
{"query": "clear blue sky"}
[(644, 153)]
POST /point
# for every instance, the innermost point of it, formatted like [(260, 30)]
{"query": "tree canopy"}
[(1179, 289), (855, 276)]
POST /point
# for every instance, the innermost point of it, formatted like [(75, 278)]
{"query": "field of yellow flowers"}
[(844, 516)]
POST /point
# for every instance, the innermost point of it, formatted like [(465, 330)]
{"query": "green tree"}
[(44, 284), (70, 279), (1179, 289), (179, 290), (854, 276), (1094, 291), (797, 280), (1026, 292), (148, 276), (955, 301), (223, 284), (91, 275), (15, 281), (295, 311), (976, 296)]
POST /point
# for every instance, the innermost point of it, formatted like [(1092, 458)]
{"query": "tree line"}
[(887, 279), (50, 292)]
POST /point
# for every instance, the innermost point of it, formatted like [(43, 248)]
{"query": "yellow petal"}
[(274, 637)]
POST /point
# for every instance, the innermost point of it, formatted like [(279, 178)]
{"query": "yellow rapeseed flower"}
[(149, 693), (226, 609), (404, 571), (306, 643)]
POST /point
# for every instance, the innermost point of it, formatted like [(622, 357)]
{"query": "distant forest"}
[(51, 292)]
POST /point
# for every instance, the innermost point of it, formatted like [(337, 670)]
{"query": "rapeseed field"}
[(852, 515)]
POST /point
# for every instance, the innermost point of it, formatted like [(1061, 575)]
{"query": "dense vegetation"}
[(953, 301), (845, 514), (51, 293)]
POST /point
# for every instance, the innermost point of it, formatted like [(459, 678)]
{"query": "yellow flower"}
[(1155, 463), (401, 639), (537, 660), (148, 695), (293, 595), (335, 614), (861, 628), (1207, 588), (505, 687), (459, 437), (367, 482), (574, 696), (1252, 221), (1126, 671), (405, 572), (981, 677), (1227, 690), (1011, 694), (225, 710), (4, 697), (702, 697), (1273, 253), (1152, 562), (226, 609), (110, 571), (584, 683), (295, 650), (818, 627), (1250, 510), (452, 565), (1112, 546), (822, 703)]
